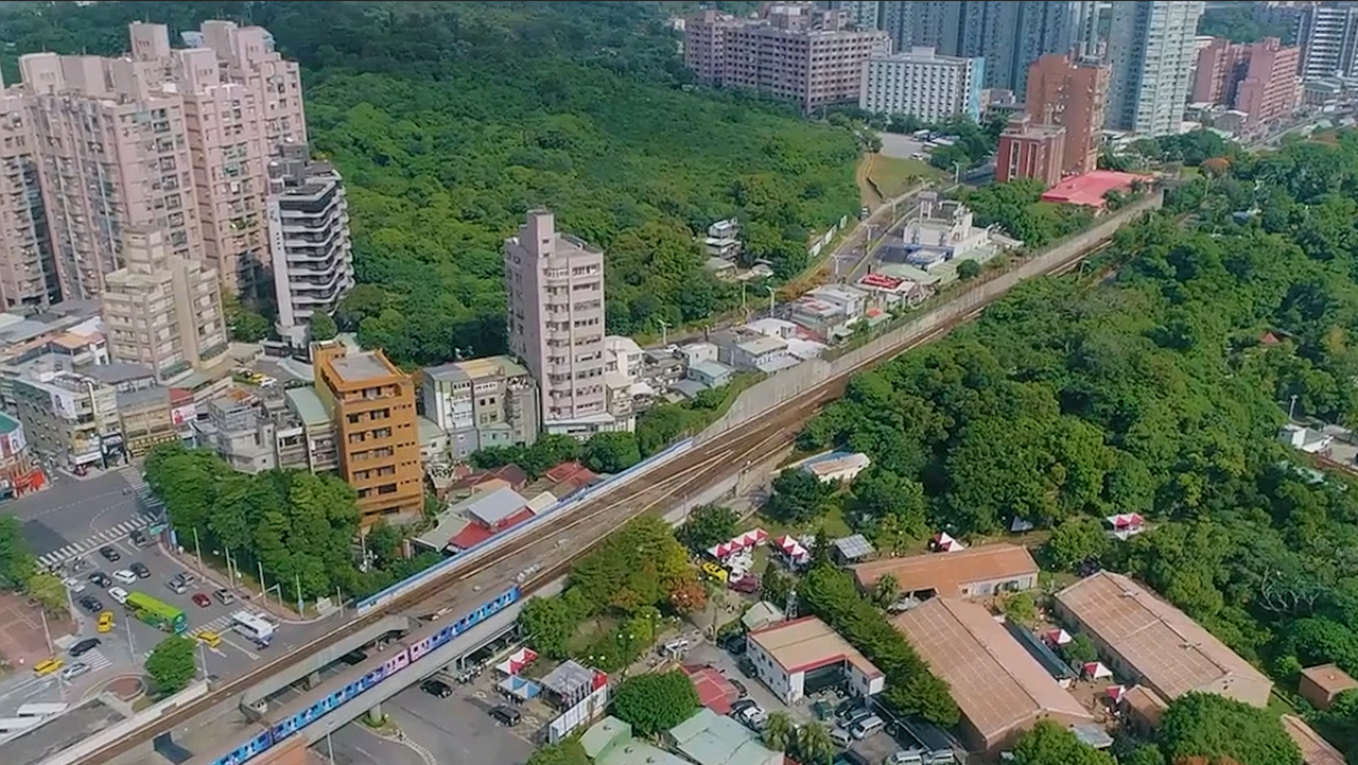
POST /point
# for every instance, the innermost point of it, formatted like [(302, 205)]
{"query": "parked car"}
[(841, 737), (84, 647), (140, 570), (139, 538), (506, 715), (91, 604), (906, 757), (48, 666), (740, 687), (100, 579), (124, 576), (224, 596), (738, 708), (747, 668), (118, 594), (73, 584), (110, 554), (177, 587), (201, 600), (866, 727), (436, 688)]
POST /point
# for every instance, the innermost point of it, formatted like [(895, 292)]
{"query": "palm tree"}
[(886, 590), (779, 732), (815, 745)]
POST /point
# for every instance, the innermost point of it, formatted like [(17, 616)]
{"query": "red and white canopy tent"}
[(1125, 521), (1095, 670), (793, 549), (1116, 692), (1058, 637), (943, 542), (741, 542), (516, 662)]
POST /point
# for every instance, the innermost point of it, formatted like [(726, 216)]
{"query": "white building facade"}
[(1152, 51), (923, 84)]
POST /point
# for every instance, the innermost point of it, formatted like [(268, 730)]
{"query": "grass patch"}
[(832, 521), (894, 176)]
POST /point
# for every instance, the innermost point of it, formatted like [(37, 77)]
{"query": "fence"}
[(443, 567), (769, 393)]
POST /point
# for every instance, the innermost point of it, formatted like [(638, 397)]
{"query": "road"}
[(76, 515)]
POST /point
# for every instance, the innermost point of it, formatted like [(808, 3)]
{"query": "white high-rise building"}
[(1151, 54)]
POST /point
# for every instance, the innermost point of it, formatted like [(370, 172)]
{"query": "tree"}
[(612, 452), (322, 327), (1080, 650), (780, 733), (1073, 541), (171, 664), (1213, 727), (249, 327), (968, 270), (17, 564), (775, 585), (1020, 608), (49, 591), (798, 496), (652, 703), (549, 624), (1048, 743), (688, 596), (707, 526), (886, 591), (568, 752), (814, 744)]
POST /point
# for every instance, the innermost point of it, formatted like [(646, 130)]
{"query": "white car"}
[(125, 576), (75, 670), (118, 594), (73, 584)]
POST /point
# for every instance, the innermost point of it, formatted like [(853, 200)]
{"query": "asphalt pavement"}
[(459, 730), (75, 515), (356, 745)]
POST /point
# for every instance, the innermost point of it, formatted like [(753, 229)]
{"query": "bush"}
[(654, 703)]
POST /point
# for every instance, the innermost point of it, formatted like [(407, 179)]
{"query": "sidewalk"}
[(214, 577)]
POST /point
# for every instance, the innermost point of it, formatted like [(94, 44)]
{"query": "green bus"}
[(162, 616)]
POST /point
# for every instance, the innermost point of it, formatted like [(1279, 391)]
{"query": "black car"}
[(436, 688), (100, 579), (110, 554), (140, 570), (506, 714), (747, 667), (735, 643), (740, 688), (84, 647), (91, 604), (139, 538)]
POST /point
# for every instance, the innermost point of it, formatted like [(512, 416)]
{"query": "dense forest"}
[(450, 120), (1156, 388)]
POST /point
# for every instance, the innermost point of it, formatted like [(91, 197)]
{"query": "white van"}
[(864, 728)]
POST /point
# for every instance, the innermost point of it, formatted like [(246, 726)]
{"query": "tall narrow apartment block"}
[(172, 139), (373, 405), (1151, 54), (29, 279), (313, 262), (1259, 78), (556, 324), (162, 310), (1070, 92)]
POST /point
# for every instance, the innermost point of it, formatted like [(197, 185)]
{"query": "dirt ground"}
[(22, 640)]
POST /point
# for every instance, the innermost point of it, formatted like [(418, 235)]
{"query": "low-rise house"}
[(1321, 684), (476, 519), (695, 353), (711, 374), (708, 738), (819, 317), (851, 301), (761, 353), (973, 572), (890, 291), (798, 658), (610, 742), (1304, 439)]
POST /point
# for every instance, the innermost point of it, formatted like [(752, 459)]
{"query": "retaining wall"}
[(785, 385)]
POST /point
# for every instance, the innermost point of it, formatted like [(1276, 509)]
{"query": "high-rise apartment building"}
[(1009, 35), (1327, 34), (172, 139), (1030, 149), (923, 84), (373, 405), (555, 283), (1259, 79), (313, 261), (794, 52), (1151, 54), (865, 14), (29, 278), (161, 310), (1070, 92)]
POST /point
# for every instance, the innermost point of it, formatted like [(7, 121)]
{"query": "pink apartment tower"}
[(1259, 79)]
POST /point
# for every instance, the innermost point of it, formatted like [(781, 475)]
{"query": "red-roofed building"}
[(565, 479), (715, 690), (1089, 189)]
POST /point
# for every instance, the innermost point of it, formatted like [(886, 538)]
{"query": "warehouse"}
[(1145, 640), (999, 688), (800, 657)]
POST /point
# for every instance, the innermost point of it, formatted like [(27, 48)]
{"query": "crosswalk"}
[(219, 625), (94, 659), (120, 531)]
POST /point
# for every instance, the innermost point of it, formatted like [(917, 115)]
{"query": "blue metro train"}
[(294, 717)]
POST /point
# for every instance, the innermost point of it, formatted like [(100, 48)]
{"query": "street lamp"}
[(330, 745)]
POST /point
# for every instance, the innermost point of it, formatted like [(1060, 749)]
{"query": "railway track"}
[(541, 558)]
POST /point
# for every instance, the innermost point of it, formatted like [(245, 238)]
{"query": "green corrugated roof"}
[(8, 424)]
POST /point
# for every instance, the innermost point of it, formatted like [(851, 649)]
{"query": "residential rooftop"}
[(947, 574), (364, 365), (804, 644)]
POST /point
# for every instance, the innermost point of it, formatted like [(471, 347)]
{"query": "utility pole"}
[(664, 331)]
